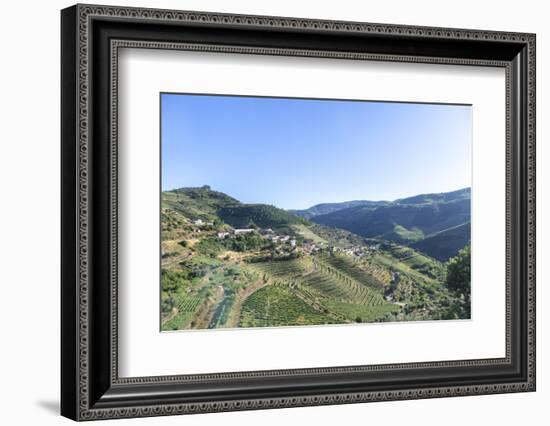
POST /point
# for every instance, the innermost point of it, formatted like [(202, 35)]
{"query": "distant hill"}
[(409, 221), (325, 208), (442, 197), (445, 244)]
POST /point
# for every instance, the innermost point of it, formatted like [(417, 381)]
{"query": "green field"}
[(346, 266), (324, 279), (334, 284), (275, 305), (403, 234), (362, 313), (413, 264), (308, 234), (187, 307)]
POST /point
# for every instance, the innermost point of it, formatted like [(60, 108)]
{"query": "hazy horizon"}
[(297, 153)]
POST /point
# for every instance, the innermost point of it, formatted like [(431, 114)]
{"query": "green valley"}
[(435, 224), (228, 264)]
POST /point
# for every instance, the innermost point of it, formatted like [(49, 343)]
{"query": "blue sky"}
[(295, 153)]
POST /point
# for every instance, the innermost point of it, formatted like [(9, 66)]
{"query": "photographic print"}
[(307, 193), (283, 212)]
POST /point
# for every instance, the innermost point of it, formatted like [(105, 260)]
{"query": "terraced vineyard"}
[(346, 293), (186, 308), (420, 268), (285, 269), (339, 287), (346, 266), (362, 313), (277, 305), (189, 304)]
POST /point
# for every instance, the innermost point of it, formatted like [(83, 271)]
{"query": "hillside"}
[(442, 245), (326, 208), (208, 205), (229, 264), (410, 221), (436, 224), (262, 215), (442, 197), (196, 203)]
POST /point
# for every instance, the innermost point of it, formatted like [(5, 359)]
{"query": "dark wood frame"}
[(90, 386)]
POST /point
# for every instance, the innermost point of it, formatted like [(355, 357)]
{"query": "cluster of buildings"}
[(311, 248), (357, 251), (308, 247), (242, 231), (282, 239), (266, 233), (200, 222)]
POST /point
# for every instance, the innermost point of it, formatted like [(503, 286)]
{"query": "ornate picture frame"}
[(91, 37)]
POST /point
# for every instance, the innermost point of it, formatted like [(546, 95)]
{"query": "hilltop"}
[(197, 202), (209, 205)]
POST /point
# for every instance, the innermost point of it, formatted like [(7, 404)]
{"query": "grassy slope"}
[(410, 265), (274, 306), (402, 234), (445, 244), (308, 234)]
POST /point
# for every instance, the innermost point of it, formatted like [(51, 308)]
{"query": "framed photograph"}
[(263, 212)]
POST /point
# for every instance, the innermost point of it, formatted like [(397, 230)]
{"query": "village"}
[(283, 242)]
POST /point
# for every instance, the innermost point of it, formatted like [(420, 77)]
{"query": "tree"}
[(458, 282), (458, 273)]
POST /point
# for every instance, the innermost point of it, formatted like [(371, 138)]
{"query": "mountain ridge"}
[(410, 221), (325, 208)]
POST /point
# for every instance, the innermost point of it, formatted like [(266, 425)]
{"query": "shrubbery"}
[(458, 272), (245, 242)]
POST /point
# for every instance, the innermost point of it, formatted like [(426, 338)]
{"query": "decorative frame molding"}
[(91, 37)]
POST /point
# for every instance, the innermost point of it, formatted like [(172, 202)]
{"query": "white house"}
[(243, 231)]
